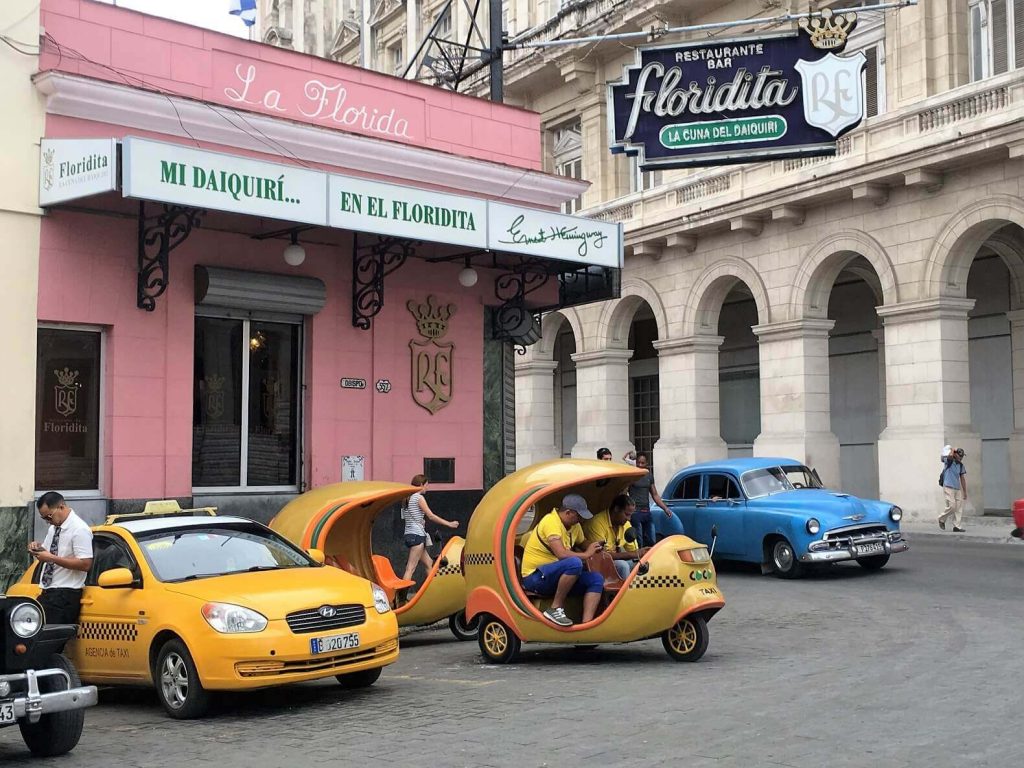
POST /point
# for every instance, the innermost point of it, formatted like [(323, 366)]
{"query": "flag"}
[(245, 9)]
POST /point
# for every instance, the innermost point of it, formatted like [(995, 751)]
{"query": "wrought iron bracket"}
[(158, 236), (513, 321), (370, 265)]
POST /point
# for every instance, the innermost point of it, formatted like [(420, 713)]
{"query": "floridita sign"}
[(755, 98), (74, 168)]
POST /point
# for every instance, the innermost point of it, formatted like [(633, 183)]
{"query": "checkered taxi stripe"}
[(115, 632), (479, 558), (657, 582), (452, 569)]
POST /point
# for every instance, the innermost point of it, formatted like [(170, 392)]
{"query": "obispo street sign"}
[(755, 98)]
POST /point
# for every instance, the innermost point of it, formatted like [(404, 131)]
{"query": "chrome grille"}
[(856, 532), (311, 619)]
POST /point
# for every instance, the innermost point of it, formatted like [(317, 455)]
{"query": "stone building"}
[(855, 311)]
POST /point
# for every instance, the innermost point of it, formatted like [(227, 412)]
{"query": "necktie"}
[(47, 576)]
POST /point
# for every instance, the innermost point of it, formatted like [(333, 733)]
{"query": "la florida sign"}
[(753, 98)]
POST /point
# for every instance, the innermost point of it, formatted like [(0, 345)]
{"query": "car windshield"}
[(764, 482), (801, 477), (217, 550)]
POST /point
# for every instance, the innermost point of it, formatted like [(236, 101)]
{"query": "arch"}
[(551, 325), (617, 316), (704, 304), (1011, 250), (964, 233), (813, 282)]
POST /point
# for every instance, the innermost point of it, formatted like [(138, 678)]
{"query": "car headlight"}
[(896, 514), (380, 599), (233, 619), (813, 526), (26, 620)]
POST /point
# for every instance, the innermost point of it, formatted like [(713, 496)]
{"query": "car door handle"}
[(701, 504), (87, 601)]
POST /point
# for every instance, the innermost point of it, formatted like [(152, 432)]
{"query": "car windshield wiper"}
[(264, 568), (192, 576)]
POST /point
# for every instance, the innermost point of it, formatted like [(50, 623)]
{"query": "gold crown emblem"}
[(66, 377), (215, 383), (830, 31), (431, 318)]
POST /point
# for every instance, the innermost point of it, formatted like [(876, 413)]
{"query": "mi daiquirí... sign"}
[(173, 173), (755, 98)]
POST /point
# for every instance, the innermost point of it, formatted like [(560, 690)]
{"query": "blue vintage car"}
[(776, 512)]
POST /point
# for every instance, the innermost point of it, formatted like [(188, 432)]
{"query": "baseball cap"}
[(946, 449), (577, 504)]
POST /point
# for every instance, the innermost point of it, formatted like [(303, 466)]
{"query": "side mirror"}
[(714, 539), (116, 578), (317, 556)]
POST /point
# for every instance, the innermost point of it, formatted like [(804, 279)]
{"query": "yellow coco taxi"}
[(671, 592), (189, 602), (338, 520)]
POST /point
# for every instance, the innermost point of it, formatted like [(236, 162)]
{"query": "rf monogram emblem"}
[(65, 394), (432, 360)]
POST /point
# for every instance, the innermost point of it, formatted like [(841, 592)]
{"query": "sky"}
[(212, 14)]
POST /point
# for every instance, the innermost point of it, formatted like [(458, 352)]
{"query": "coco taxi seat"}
[(387, 578), (602, 563)]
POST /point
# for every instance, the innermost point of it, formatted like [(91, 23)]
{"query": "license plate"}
[(7, 712), (334, 643), (870, 549)]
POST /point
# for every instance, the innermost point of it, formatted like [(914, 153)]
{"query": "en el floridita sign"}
[(752, 98)]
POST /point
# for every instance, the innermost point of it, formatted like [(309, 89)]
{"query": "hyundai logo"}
[(328, 611)]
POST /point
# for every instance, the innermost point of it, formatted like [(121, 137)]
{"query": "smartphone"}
[(37, 549)]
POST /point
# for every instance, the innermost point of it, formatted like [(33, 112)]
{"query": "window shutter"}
[(1000, 32), (977, 44), (1018, 33), (871, 82)]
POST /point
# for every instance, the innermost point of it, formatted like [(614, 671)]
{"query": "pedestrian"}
[(414, 511), (66, 555), (604, 454), (953, 480), (643, 492)]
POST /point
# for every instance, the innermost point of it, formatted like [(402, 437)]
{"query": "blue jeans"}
[(544, 580), (643, 524)]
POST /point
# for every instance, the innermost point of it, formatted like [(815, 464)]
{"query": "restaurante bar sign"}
[(754, 98)]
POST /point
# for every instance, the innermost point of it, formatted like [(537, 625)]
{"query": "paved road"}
[(919, 665)]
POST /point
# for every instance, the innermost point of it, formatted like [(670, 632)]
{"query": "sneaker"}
[(942, 524), (557, 615), (959, 530)]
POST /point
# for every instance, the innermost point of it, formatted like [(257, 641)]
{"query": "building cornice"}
[(137, 109), (941, 308)]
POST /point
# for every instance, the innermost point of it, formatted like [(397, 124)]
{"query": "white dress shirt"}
[(75, 541)]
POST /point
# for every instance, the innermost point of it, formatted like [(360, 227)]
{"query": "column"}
[(602, 402), (1016, 319), (928, 403), (879, 335), (688, 383), (535, 412), (796, 412)]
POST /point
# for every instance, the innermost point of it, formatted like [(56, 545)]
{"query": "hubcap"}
[(783, 556), (683, 636), (174, 680), (495, 639)]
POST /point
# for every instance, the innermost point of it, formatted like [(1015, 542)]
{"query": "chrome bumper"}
[(843, 548), (33, 704)]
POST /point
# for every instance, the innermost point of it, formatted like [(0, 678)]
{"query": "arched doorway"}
[(644, 391), (739, 367), (565, 390)]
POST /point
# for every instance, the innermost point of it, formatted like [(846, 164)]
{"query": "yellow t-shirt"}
[(600, 528), (536, 552)]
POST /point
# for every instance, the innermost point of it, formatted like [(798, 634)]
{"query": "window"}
[(396, 59), (568, 157), (997, 37), (641, 181), (444, 26), (245, 418), (722, 487), (646, 416), (690, 488), (68, 377), (869, 36), (109, 552)]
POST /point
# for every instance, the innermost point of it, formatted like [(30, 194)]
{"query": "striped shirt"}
[(414, 516)]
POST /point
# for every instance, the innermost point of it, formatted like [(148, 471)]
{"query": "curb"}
[(980, 538)]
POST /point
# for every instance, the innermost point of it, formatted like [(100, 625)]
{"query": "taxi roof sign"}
[(162, 508)]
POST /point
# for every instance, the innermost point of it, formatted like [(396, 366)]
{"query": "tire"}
[(873, 563), (585, 647), (177, 682), (783, 559), (462, 629), (59, 732), (688, 639), (363, 679), (498, 643)]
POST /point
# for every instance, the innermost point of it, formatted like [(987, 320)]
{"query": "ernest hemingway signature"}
[(594, 238)]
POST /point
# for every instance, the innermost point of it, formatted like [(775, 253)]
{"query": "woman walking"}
[(415, 510)]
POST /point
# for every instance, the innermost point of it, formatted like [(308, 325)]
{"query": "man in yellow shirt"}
[(610, 527), (551, 567)]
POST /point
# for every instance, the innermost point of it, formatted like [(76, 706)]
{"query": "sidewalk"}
[(991, 530)]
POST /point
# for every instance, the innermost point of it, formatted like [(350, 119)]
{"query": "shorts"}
[(544, 580), (414, 540)]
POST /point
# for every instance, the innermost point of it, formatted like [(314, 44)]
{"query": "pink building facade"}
[(224, 368)]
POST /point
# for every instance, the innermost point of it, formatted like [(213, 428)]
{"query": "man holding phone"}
[(66, 555)]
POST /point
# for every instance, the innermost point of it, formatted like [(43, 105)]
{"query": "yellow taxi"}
[(190, 602)]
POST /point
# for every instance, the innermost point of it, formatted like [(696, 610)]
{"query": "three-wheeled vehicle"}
[(671, 593), (338, 520)]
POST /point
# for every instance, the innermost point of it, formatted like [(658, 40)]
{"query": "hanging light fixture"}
[(468, 276), (294, 254)]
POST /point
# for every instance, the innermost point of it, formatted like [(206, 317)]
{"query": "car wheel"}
[(783, 559), (462, 629), (59, 732), (498, 643), (688, 639), (363, 679), (875, 563), (177, 682)]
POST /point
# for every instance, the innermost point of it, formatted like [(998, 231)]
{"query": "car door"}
[(721, 504), (684, 504), (112, 643)]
